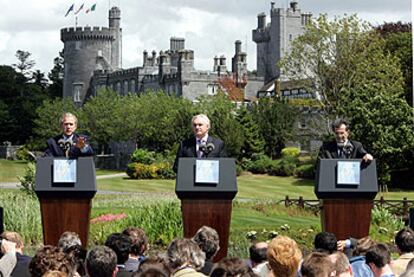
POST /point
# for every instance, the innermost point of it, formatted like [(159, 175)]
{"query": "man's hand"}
[(367, 158), (340, 245), (81, 142), (8, 246)]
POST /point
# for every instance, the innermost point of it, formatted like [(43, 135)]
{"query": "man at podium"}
[(342, 147), (201, 145), (68, 144)]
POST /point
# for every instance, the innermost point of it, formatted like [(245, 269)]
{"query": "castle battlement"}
[(86, 33), (261, 35)]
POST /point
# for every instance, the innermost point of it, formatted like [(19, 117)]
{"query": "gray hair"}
[(208, 240), (67, 114), (185, 251), (69, 239), (202, 117)]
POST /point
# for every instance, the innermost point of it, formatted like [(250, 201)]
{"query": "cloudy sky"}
[(210, 27)]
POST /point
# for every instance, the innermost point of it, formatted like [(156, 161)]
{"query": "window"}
[(126, 88), (77, 90), (212, 89)]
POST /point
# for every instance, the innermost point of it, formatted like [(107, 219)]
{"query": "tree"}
[(25, 64), (224, 125), (253, 142), (39, 79), (55, 89), (346, 65), (275, 118)]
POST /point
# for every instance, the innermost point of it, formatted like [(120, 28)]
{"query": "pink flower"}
[(108, 217)]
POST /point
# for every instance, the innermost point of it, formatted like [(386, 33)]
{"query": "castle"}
[(92, 60)]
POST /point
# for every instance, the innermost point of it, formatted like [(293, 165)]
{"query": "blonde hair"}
[(13, 237), (55, 273), (284, 256)]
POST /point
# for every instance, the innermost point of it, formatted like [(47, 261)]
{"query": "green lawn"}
[(9, 170)]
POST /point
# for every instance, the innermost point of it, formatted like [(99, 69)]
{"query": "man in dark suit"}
[(201, 145), (69, 144), (342, 147)]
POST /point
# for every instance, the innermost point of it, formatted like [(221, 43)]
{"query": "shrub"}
[(23, 153), (306, 171), (143, 156), (261, 165), (165, 171), (152, 171), (293, 152), (28, 180), (283, 167)]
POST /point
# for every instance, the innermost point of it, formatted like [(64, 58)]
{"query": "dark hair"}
[(78, 254), (379, 255), (258, 255), (405, 240), (231, 267), (50, 258), (101, 262), (325, 241), (338, 122), (208, 240), (153, 267), (138, 239), (121, 244)]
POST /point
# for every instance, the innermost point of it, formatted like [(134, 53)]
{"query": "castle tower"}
[(115, 27), (274, 39), (239, 65), (86, 50)]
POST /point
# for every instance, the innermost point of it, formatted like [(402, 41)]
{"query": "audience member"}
[(378, 259), (405, 243), (8, 261), (258, 258), (101, 262), (358, 264), (325, 242), (139, 245), (185, 257), (208, 240), (121, 244), (317, 264), (232, 267), (71, 244), (341, 264), (409, 272), (50, 258), (22, 266), (284, 256), (153, 267), (55, 273), (69, 239)]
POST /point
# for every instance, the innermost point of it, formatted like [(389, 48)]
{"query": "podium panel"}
[(346, 208), (65, 206), (207, 204)]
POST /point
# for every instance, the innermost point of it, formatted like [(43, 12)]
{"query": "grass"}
[(9, 170)]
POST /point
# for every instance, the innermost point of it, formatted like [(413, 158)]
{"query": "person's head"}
[(231, 267), (317, 264), (325, 242), (201, 125), (69, 239), (16, 238), (78, 253), (340, 127), (55, 273), (258, 253), (121, 244), (50, 258), (341, 264), (138, 239), (68, 123), (183, 251), (405, 240), (208, 240), (153, 267), (377, 257), (362, 246), (284, 256), (101, 262)]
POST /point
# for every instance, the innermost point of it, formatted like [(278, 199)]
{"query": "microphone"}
[(210, 147), (61, 144), (203, 148), (347, 148), (206, 148)]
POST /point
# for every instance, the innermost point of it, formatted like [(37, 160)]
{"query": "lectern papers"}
[(64, 171), (207, 171)]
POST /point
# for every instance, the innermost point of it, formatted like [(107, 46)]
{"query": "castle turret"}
[(115, 27), (275, 39), (239, 65), (144, 57)]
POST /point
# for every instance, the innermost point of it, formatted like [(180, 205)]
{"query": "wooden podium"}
[(65, 206), (207, 204), (346, 208)]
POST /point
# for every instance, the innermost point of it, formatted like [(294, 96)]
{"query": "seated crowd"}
[(124, 254)]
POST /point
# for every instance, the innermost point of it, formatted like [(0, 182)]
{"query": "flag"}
[(91, 9), (70, 9), (80, 8)]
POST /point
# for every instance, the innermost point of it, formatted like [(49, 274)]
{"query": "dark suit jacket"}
[(22, 266), (53, 149), (329, 150), (188, 149)]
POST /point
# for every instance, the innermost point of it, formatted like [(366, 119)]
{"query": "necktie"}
[(199, 152)]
